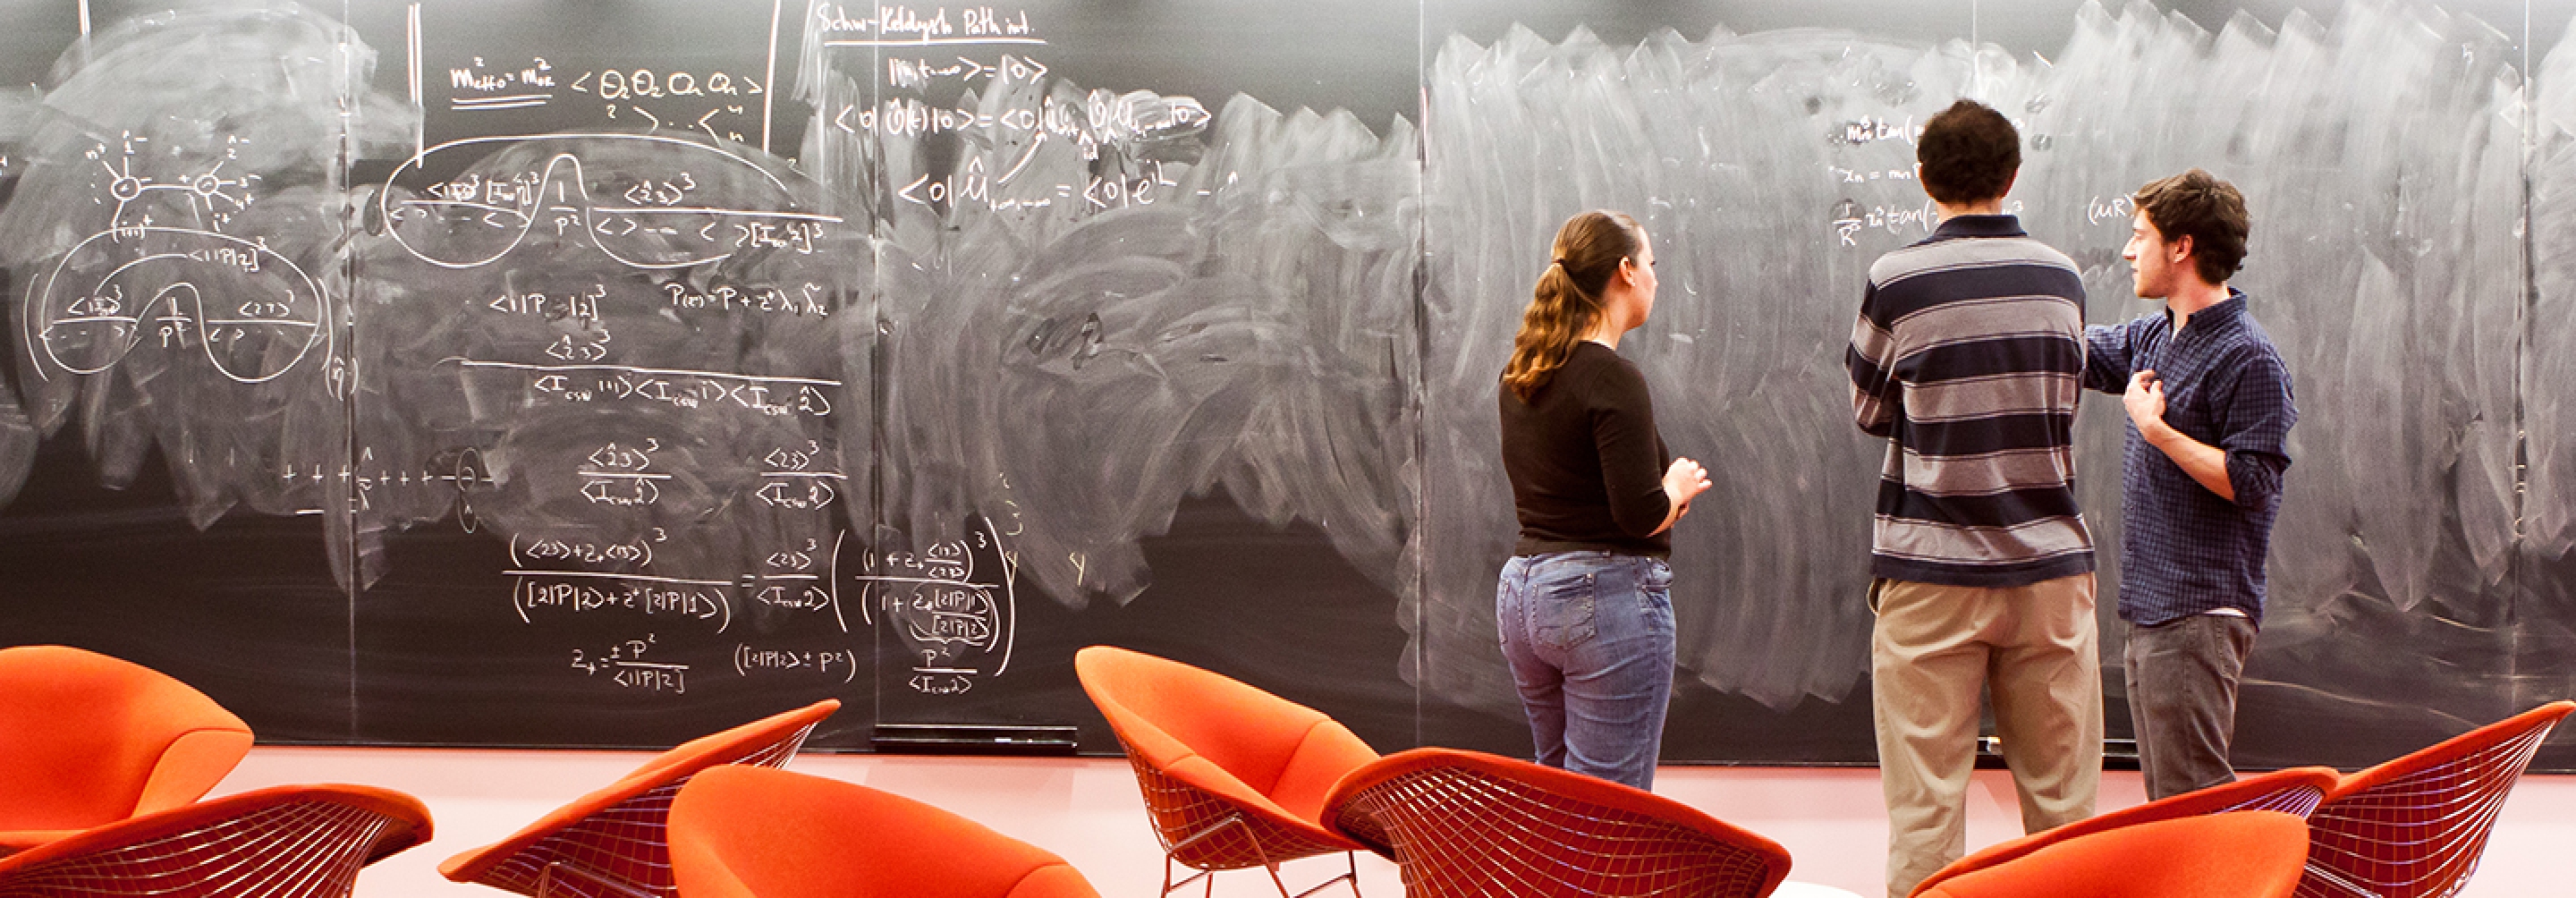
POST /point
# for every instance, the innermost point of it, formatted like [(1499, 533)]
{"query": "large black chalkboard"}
[(582, 373)]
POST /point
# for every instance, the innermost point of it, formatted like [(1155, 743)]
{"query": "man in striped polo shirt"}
[(1968, 357)]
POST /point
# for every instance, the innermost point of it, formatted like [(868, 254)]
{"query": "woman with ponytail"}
[(1585, 604)]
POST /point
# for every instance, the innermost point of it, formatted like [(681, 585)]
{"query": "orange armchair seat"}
[(2254, 854), (744, 832), (611, 842), (1233, 776), (280, 842), (87, 740), (2295, 791), (1464, 824), (2416, 826)]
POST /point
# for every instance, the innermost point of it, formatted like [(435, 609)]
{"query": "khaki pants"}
[(2035, 648)]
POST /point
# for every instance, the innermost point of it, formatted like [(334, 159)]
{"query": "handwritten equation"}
[(834, 666), (589, 576), (952, 607), (963, 75), (655, 219), (623, 663), (772, 395)]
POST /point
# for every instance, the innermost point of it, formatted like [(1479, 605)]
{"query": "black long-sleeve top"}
[(1586, 463)]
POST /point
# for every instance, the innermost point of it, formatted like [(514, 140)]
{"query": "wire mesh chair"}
[(1233, 777), (2254, 854), (1462, 824), (613, 843), (2416, 826), (279, 842), (2295, 791)]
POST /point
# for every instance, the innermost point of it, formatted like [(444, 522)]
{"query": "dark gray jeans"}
[(2182, 699)]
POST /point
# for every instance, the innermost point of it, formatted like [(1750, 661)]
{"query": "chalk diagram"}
[(213, 198), (661, 222), (185, 283)]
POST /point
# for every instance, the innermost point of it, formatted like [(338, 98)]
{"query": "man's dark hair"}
[(2196, 204), (1969, 153)]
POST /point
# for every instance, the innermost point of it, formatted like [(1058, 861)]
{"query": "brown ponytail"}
[(1568, 298)]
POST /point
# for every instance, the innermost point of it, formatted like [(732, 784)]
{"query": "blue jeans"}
[(1589, 637)]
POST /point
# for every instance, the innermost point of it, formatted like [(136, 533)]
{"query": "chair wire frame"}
[(2299, 800), (1207, 833), (296, 849), (623, 851), (2417, 835), (1458, 833)]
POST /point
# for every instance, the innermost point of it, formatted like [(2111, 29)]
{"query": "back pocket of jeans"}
[(1561, 612)]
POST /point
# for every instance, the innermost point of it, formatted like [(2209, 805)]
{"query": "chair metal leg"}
[(1169, 886), (1352, 875)]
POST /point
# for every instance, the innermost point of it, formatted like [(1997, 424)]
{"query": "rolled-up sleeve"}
[(2107, 351), (1877, 396), (2260, 411)]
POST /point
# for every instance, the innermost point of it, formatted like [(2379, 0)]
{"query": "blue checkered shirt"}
[(2184, 550)]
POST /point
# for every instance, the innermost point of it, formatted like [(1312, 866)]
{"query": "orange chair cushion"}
[(86, 740), (685, 759), (2254, 854), (1222, 735), (2211, 800), (748, 832), (15, 840)]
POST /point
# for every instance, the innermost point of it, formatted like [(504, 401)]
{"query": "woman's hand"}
[(1684, 481)]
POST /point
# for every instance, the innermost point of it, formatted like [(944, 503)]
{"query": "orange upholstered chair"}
[(2255, 854), (87, 740), (1462, 824), (743, 832), (610, 842), (280, 842), (1234, 777), (2417, 825), (2295, 791)]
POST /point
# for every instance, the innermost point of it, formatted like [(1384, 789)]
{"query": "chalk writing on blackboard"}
[(479, 216), (623, 663), (904, 26), (252, 313), (686, 388), (951, 606), (537, 591), (836, 666)]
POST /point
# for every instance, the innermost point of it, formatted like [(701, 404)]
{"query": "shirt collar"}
[(1979, 226), (2225, 311)]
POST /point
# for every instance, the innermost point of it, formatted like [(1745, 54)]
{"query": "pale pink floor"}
[(1088, 810)]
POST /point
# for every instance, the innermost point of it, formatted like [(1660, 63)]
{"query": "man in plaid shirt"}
[(2209, 421)]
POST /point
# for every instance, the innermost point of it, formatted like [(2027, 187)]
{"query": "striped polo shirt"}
[(1968, 357)]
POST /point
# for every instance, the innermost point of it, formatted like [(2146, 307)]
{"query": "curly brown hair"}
[(1567, 299), (2196, 204), (1969, 153)]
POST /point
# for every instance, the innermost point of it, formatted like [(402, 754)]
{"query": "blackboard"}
[(591, 374)]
